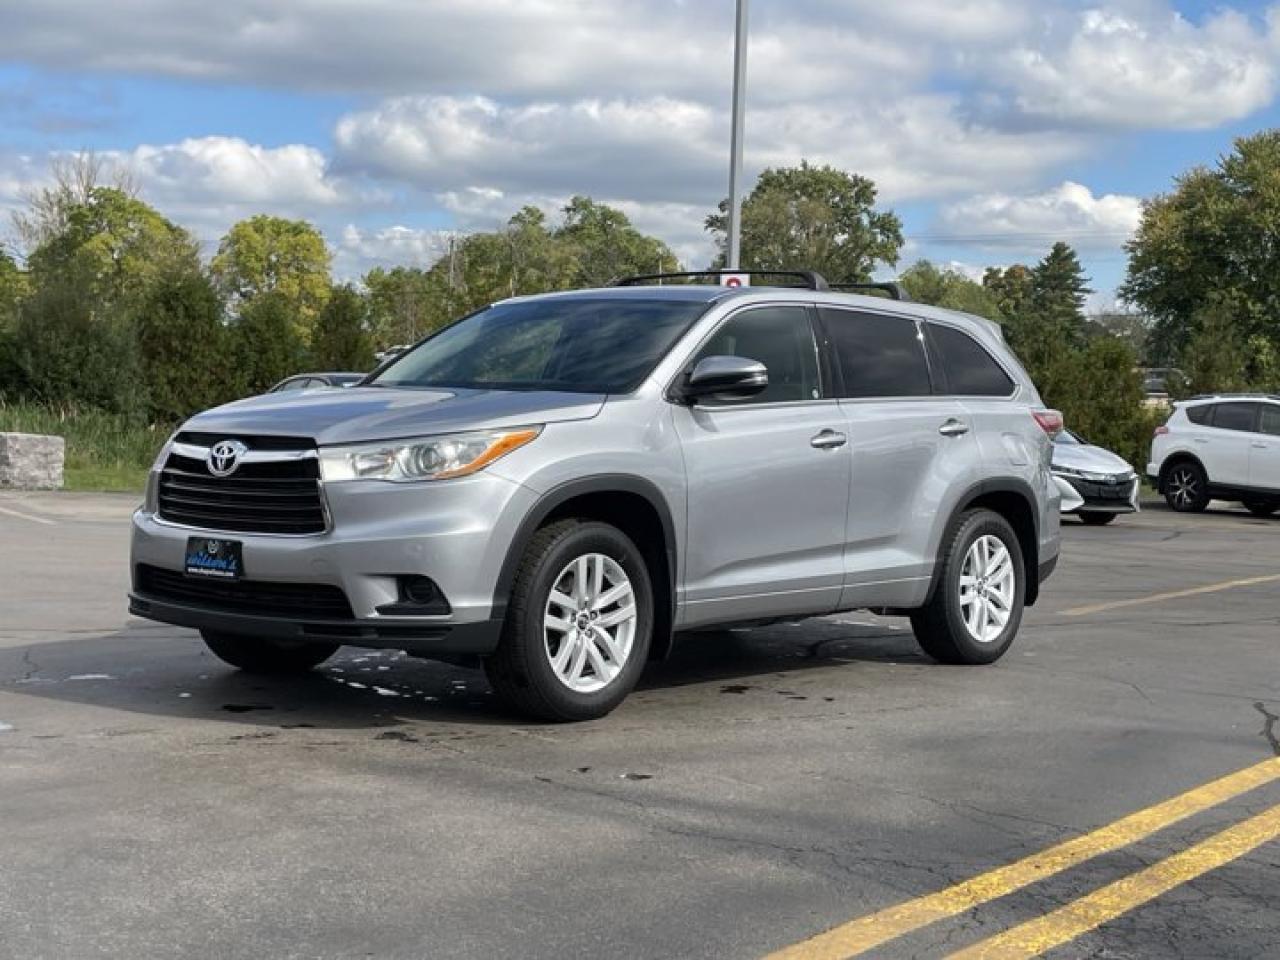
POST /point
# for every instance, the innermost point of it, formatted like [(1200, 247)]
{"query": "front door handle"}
[(1258, 444), (828, 440), (954, 428)]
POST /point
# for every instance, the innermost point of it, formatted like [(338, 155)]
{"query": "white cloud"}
[(674, 151), (1068, 212), (358, 250), (1143, 65)]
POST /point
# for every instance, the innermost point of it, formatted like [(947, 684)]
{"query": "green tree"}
[(66, 350), (597, 244), (1099, 390), (13, 287), (267, 345), (116, 244), (813, 218), (1212, 239), (939, 287), (1011, 287), (401, 304), (1059, 290), (266, 254), (341, 339), (185, 349)]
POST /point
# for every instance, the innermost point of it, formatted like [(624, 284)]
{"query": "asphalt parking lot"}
[(762, 787)]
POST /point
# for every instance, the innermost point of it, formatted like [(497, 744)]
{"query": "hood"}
[(1085, 456), (355, 414)]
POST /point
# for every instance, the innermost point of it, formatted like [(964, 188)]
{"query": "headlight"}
[(427, 458)]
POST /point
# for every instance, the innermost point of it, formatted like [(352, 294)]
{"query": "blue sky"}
[(993, 127)]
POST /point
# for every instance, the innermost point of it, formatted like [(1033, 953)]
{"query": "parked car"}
[(312, 381), (1096, 484), (390, 353), (557, 484), (1220, 447)]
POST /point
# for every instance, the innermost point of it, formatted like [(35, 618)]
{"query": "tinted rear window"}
[(1201, 415), (969, 370), (1235, 416), (590, 346), (878, 356)]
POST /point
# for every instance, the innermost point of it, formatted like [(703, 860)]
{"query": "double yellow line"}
[(1079, 916)]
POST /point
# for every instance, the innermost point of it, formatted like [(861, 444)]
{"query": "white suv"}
[(1222, 447)]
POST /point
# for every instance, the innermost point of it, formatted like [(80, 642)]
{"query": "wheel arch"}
[(1014, 500), (634, 505)]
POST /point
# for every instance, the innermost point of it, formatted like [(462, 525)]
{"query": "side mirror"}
[(725, 377)]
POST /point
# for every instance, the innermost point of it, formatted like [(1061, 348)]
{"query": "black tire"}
[(940, 626), (1262, 508), (1186, 487), (520, 670), (259, 655), (1097, 519)]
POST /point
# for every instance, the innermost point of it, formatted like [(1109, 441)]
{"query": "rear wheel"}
[(259, 655), (1097, 519), (976, 607), (1262, 508), (577, 630), (1186, 488)]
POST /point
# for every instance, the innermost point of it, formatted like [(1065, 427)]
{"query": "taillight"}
[(1161, 430), (1050, 421)]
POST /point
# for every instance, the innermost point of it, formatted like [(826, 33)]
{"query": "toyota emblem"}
[(224, 456)]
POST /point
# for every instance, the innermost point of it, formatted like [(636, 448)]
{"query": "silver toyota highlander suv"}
[(558, 484)]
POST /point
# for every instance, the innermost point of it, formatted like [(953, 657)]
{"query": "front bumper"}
[(1082, 495), (456, 532), (422, 639)]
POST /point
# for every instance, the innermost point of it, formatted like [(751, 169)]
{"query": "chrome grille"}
[(273, 490)]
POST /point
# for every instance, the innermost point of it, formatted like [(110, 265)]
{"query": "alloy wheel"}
[(1184, 487), (987, 587), (589, 624)]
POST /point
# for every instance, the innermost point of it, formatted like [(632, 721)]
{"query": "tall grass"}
[(104, 451)]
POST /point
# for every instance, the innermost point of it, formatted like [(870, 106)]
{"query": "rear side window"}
[(1201, 415), (968, 369), (1236, 416), (1270, 419), (878, 356)]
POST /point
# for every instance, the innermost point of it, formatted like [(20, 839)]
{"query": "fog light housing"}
[(417, 596)]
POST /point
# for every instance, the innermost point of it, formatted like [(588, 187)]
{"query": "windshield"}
[(587, 346)]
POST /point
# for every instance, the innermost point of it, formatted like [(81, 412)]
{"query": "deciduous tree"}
[(813, 218), (266, 254)]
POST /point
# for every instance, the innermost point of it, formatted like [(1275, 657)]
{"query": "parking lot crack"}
[(1269, 721)]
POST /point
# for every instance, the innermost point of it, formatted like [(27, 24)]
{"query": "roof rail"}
[(811, 279), (895, 290), (1233, 396)]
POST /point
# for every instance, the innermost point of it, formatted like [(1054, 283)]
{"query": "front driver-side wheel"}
[(976, 607), (576, 634), (260, 655)]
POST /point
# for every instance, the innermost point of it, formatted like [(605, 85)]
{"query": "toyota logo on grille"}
[(224, 456)]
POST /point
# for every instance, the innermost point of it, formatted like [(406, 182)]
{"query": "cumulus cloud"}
[(1068, 212), (673, 152), (1142, 65)]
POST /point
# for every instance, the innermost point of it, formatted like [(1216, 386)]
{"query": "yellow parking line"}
[(1080, 916), (1171, 595), (857, 936)]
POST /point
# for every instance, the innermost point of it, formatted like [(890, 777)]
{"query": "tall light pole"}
[(734, 251)]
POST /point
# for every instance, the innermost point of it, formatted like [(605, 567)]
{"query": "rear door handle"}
[(828, 440), (954, 428), (1259, 444), (1201, 439)]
